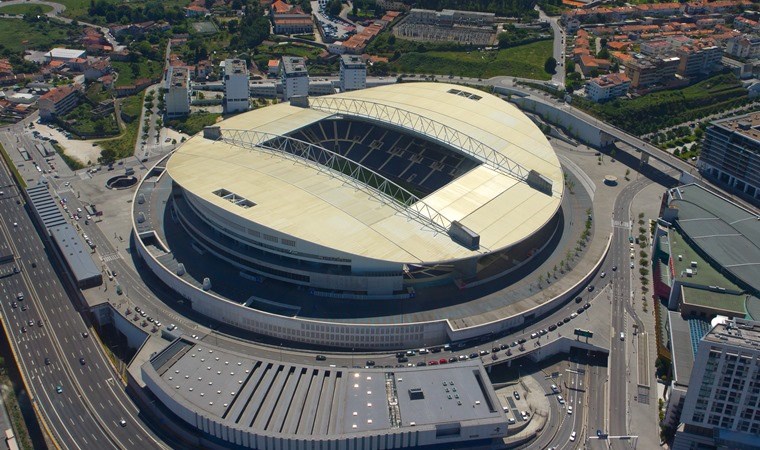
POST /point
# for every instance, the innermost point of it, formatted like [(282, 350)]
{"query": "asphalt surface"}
[(88, 411)]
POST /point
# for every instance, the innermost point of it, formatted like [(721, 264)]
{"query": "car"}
[(614, 268), (399, 354), (591, 288), (123, 423), (495, 349), (24, 308), (622, 336), (631, 265), (34, 264), (587, 306), (410, 353), (23, 329), (370, 363), (560, 323), (20, 296), (533, 335), (511, 420), (47, 361), (79, 210), (603, 274), (555, 388), (522, 341), (580, 310), (403, 359), (423, 351), (578, 299), (573, 315), (150, 319), (543, 331), (453, 359), (14, 305), (572, 436), (321, 357), (516, 394), (420, 363), (443, 361), (473, 355), (513, 344), (39, 322), (59, 389), (30, 322), (567, 319), (552, 327), (463, 357), (560, 400), (569, 409), (504, 346), (484, 352), (137, 308), (432, 363), (81, 361)]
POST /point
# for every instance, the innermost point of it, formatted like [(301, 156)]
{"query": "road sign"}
[(583, 333)]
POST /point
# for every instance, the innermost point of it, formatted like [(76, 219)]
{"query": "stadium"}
[(372, 196)]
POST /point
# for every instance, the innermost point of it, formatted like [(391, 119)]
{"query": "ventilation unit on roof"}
[(416, 394)]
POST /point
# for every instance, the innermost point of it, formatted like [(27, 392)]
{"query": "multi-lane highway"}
[(54, 348)]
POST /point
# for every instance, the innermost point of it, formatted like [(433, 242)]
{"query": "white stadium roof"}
[(310, 205)]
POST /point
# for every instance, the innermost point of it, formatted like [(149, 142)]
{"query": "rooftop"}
[(724, 231), (235, 66), (293, 64), (681, 347), (613, 79), (65, 53), (57, 94), (500, 208), (747, 125), (728, 304), (352, 61), (701, 273), (737, 332), (179, 77), (268, 396)]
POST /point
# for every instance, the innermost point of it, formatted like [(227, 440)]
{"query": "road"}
[(558, 49), (87, 413)]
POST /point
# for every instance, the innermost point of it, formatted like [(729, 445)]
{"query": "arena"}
[(372, 196)]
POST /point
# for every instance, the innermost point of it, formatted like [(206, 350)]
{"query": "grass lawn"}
[(124, 145), (127, 75), (17, 35), (74, 8), (266, 52), (12, 166), (82, 122), (661, 109), (96, 93), (193, 123), (524, 61), (25, 9)]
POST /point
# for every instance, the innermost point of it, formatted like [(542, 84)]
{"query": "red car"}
[(432, 363), (442, 361)]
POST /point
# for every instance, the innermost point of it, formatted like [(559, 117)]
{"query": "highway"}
[(88, 411)]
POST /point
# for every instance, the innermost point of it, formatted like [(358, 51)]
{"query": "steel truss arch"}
[(338, 166), (431, 128)]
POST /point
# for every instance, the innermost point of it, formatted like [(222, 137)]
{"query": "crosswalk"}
[(113, 256), (620, 224)]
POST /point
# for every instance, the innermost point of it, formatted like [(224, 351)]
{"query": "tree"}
[(550, 66), (333, 7)]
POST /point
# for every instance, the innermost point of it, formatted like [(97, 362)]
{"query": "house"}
[(273, 67), (96, 68), (289, 19), (196, 11), (64, 54)]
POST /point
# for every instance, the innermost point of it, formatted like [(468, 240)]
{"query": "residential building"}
[(196, 11), (744, 46), (295, 78), (177, 96), (236, 90), (353, 73), (450, 17), (96, 68), (58, 101), (698, 59), (645, 72), (607, 87), (591, 66), (290, 19), (731, 154), (273, 67), (722, 407)]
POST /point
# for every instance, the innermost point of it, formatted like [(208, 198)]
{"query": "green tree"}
[(550, 66), (333, 7)]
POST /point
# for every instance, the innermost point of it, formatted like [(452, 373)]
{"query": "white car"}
[(603, 274), (569, 409), (561, 400), (572, 436)]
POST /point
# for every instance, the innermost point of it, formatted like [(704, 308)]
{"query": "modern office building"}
[(236, 90), (722, 406), (353, 73), (295, 77), (177, 96), (731, 154)]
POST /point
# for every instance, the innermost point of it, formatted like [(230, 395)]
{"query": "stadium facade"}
[(365, 195)]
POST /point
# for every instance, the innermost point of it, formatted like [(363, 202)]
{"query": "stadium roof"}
[(313, 206), (727, 233)]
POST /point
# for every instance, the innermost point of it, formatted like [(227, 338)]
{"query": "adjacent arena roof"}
[(318, 207)]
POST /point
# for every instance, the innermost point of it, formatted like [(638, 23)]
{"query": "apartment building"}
[(294, 76), (698, 59), (731, 154), (607, 87), (236, 90), (353, 73), (59, 101), (744, 46), (645, 72), (177, 96), (722, 405)]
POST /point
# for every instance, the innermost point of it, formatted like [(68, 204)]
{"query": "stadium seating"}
[(418, 165)]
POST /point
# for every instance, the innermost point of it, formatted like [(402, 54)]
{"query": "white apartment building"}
[(177, 95), (353, 73), (236, 90), (744, 46), (294, 76), (607, 87), (722, 405)]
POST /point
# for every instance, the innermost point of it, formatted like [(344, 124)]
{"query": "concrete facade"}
[(294, 76), (353, 73), (236, 90), (177, 92)]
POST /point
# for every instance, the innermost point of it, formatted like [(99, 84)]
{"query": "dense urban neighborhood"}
[(380, 224)]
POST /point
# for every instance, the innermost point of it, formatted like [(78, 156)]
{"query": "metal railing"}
[(338, 166)]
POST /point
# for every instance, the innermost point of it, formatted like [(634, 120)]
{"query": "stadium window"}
[(270, 238), (288, 242)]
